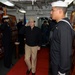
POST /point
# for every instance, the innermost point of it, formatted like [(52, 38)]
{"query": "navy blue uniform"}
[(61, 47), (20, 38), (6, 41)]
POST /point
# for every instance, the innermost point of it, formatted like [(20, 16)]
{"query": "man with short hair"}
[(32, 45), (61, 40)]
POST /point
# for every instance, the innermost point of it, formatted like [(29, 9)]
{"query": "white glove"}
[(59, 73)]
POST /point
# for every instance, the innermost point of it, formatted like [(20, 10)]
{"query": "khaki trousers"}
[(31, 57)]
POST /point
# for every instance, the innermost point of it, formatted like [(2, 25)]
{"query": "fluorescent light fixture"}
[(6, 2), (22, 11)]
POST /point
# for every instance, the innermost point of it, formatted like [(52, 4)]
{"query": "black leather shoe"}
[(28, 72), (33, 73)]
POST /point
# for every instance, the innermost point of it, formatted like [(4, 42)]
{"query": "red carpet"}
[(42, 64)]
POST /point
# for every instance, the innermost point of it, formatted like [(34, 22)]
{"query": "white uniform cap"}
[(59, 4), (5, 16)]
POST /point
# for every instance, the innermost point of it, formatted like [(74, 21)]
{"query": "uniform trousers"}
[(55, 70), (31, 57), (7, 54)]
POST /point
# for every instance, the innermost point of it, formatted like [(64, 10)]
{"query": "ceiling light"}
[(6, 2), (22, 11)]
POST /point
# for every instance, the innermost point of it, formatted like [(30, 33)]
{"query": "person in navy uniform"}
[(61, 40), (6, 41), (44, 30), (20, 36)]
